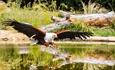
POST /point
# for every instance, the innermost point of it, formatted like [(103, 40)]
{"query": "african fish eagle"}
[(45, 38)]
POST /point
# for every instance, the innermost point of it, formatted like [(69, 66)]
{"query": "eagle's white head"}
[(49, 37)]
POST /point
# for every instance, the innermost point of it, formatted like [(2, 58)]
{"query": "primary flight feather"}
[(45, 38)]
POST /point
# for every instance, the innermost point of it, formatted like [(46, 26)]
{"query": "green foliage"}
[(72, 4), (104, 32), (92, 8)]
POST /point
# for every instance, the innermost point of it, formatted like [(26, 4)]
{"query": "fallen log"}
[(55, 26), (88, 16), (99, 20)]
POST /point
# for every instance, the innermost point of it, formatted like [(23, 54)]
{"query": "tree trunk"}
[(99, 20)]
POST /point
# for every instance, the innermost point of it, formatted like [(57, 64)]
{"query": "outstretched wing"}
[(73, 34), (27, 29)]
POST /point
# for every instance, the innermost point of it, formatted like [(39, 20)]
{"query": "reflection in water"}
[(75, 56), (55, 51)]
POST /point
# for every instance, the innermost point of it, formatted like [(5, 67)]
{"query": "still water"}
[(81, 57)]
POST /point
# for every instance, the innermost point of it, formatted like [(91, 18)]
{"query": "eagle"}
[(45, 38)]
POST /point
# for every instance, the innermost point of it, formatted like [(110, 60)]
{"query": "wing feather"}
[(27, 29), (73, 34)]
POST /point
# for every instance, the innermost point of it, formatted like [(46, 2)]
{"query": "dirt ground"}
[(14, 37)]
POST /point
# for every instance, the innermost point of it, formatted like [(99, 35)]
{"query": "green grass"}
[(104, 32), (93, 8), (35, 17), (97, 31)]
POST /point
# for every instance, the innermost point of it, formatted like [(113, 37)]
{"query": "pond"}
[(82, 57)]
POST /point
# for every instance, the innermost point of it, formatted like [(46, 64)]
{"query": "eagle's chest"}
[(49, 37)]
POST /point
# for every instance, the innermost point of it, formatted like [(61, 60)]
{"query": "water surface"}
[(83, 57)]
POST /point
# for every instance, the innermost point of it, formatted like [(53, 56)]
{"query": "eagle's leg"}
[(46, 44), (53, 45)]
